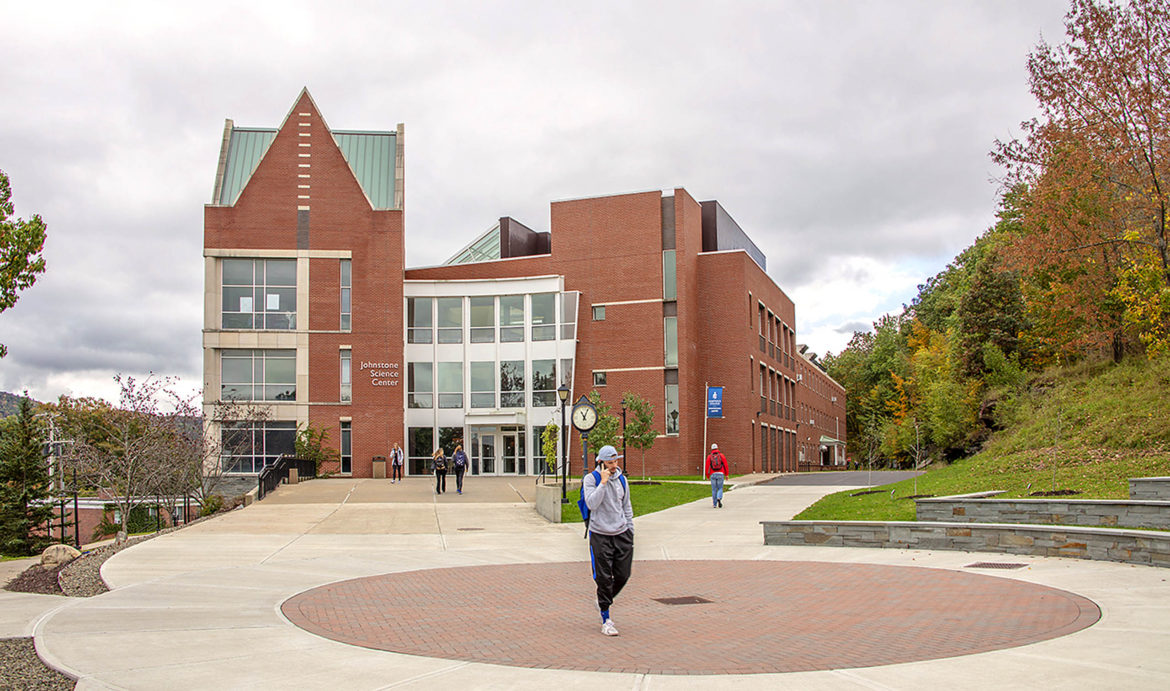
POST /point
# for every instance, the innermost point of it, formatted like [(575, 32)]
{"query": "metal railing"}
[(273, 475)]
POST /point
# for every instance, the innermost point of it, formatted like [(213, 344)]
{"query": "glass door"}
[(487, 453), (510, 453)]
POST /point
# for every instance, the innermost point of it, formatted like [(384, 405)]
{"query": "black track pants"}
[(612, 557), (440, 481), (459, 477)]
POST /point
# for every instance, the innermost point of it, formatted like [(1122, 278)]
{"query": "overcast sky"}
[(848, 139)]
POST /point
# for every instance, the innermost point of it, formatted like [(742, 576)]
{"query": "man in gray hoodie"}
[(611, 531)]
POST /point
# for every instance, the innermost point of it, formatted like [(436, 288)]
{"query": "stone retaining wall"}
[(1149, 488), (1104, 544), (1074, 512), (548, 499)]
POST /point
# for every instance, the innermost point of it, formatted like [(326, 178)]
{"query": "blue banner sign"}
[(714, 401)]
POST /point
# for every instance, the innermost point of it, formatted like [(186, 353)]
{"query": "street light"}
[(563, 394)]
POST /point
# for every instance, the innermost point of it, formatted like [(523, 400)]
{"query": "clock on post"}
[(584, 419)]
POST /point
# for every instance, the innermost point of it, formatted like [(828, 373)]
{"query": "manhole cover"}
[(993, 565), (685, 600), (469, 528)]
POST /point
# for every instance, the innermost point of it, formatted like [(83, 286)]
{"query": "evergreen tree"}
[(25, 508)]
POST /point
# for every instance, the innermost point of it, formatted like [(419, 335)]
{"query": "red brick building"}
[(311, 312)]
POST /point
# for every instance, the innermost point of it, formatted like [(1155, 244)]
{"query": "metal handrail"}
[(272, 475)]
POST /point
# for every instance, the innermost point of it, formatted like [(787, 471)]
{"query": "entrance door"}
[(487, 451)]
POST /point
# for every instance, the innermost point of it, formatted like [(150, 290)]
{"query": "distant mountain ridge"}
[(8, 403)]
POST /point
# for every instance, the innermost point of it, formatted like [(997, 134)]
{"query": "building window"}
[(672, 412), (599, 378), (539, 460), (246, 447), (669, 284), (544, 384), (670, 326), (420, 444), (260, 294), (544, 317), (450, 384), (419, 385), (569, 315), (450, 320), (599, 313), (346, 375), (567, 372), (511, 319), (483, 320), (258, 375), (346, 294), (483, 385), (512, 384), (346, 447), (419, 320)]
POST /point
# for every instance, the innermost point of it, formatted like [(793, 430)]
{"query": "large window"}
[(483, 384), (511, 318), (569, 315), (670, 326), (450, 320), (544, 383), (419, 385), (258, 375), (346, 376), (483, 320), (544, 317), (346, 294), (450, 376), (512, 384), (419, 321), (259, 294), (419, 447), (246, 447)]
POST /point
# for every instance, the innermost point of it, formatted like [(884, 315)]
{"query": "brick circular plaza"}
[(758, 616)]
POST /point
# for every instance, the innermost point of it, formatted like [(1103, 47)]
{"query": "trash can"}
[(379, 467)]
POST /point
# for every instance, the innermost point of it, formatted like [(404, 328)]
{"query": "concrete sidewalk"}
[(201, 606)]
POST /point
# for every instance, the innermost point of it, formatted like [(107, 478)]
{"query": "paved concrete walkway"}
[(202, 606)]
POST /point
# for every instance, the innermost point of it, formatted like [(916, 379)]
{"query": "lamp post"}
[(563, 394)]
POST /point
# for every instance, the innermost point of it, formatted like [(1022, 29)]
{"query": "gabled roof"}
[(370, 155)]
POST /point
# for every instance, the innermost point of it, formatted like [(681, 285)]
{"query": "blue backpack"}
[(581, 499)]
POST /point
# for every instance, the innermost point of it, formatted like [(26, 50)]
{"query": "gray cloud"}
[(828, 130)]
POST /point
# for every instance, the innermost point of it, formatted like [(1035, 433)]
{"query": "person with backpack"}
[(609, 519), (396, 463), (460, 461), (439, 465), (717, 471)]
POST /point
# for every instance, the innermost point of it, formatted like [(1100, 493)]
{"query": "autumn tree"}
[(21, 246), (607, 431), (1095, 166)]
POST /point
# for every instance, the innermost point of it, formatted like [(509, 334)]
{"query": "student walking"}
[(459, 460), (717, 470), (439, 464), (611, 531), (396, 463)]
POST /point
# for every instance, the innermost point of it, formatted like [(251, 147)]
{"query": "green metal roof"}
[(246, 148), (371, 158), (485, 248)]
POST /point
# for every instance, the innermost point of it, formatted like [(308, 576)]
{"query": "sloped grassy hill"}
[(1087, 428)]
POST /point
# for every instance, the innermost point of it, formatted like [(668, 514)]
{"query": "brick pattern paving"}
[(763, 616)]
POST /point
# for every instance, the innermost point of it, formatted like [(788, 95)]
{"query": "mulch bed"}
[(1056, 493), (20, 668)]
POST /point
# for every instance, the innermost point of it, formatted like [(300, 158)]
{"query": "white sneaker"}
[(608, 628)]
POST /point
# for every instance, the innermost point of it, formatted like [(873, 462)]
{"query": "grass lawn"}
[(1088, 429), (646, 498)]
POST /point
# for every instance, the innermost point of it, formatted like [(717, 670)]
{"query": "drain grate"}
[(993, 565), (685, 600), (469, 528)]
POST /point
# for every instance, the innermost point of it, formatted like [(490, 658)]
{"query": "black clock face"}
[(584, 417)]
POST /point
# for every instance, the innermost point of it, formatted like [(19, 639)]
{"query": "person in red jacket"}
[(718, 471)]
